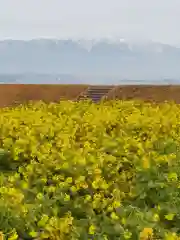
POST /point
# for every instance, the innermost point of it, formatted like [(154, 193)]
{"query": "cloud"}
[(156, 20)]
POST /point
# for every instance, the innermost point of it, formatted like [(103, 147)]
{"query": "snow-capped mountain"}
[(118, 57)]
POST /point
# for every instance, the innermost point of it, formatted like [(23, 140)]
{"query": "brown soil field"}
[(11, 94), (148, 93)]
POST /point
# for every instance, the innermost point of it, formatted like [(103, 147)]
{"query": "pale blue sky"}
[(156, 20)]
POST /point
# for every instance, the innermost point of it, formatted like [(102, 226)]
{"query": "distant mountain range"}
[(88, 61)]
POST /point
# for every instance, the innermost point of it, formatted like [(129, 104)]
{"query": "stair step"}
[(82, 99), (98, 90), (96, 99), (95, 96), (101, 87), (95, 93)]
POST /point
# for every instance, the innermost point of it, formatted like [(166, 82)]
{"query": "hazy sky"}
[(156, 20)]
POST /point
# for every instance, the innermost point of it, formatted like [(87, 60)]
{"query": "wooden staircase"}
[(95, 93)]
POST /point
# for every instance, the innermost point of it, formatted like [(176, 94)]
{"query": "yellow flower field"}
[(90, 171)]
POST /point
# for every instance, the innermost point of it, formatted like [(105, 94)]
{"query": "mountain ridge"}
[(112, 57)]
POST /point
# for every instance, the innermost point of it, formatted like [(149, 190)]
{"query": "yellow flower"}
[(147, 233), (114, 216), (156, 217), (169, 216), (116, 204), (172, 176), (123, 221), (69, 180), (92, 229), (97, 171), (14, 236), (66, 198), (1, 236), (171, 236), (146, 163)]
